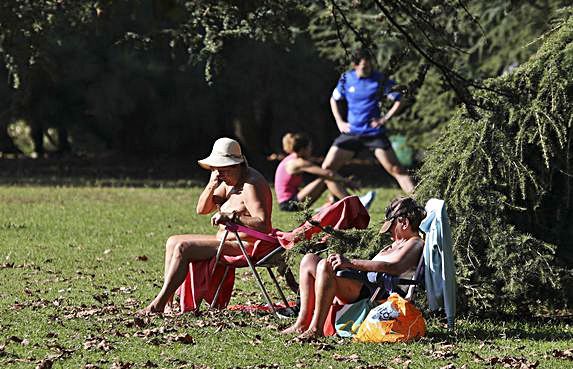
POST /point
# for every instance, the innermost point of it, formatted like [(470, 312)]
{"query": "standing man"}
[(363, 87)]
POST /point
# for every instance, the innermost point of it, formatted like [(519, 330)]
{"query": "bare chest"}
[(235, 202)]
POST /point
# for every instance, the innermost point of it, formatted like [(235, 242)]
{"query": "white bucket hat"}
[(226, 152)]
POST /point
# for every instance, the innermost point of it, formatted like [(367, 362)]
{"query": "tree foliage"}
[(502, 162), (506, 177), (462, 43), (140, 75)]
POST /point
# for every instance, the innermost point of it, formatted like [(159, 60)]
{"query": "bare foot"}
[(311, 334), (168, 309), (295, 328), (151, 309), (172, 306)]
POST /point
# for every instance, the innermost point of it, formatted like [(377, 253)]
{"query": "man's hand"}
[(215, 180), (343, 126), (378, 122), (220, 218), (339, 262)]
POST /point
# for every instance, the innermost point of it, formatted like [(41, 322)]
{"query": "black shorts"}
[(358, 143), (291, 204)]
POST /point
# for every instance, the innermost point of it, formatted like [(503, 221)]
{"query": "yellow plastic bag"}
[(394, 320)]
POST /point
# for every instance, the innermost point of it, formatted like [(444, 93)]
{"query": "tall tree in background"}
[(461, 43), (112, 67)]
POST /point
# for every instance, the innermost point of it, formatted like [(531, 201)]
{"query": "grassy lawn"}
[(76, 263)]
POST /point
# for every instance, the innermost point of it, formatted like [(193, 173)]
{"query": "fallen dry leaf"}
[(401, 359), (449, 366), (16, 339), (321, 346), (139, 322), (121, 365), (256, 340), (45, 364), (477, 357), (185, 339), (563, 354), (351, 358), (513, 362), (444, 355)]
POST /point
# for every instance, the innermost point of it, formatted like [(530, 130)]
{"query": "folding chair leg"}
[(219, 286), (256, 274), (283, 297), (219, 250)]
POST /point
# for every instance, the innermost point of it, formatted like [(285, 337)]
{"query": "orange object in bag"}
[(394, 320)]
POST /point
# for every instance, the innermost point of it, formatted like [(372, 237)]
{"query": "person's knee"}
[(326, 165), (396, 170), (324, 267), (171, 243), (308, 262), (180, 249)]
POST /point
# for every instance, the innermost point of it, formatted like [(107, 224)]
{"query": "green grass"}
[(72, 277)]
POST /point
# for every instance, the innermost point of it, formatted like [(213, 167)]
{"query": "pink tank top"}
[(286, 185)]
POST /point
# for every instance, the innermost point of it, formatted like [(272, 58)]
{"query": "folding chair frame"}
[(264, 262), (412, 283)]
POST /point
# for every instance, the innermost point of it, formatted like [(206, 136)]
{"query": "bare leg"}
[(390, 163), (327, 286), (184, 249), (307, 276), (169, 246), (334, 160), (312, 191)]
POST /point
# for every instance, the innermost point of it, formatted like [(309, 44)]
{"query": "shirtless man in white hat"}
[(237, 193)]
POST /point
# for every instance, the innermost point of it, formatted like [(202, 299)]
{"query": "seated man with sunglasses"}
[(319, 284)]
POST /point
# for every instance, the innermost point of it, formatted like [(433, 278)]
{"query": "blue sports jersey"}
[(362, 96)]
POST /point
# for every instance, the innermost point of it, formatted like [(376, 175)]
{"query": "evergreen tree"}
[(506, 176)]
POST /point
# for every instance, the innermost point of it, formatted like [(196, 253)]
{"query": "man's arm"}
[(212, 195), (392, 110), (386, 117), (343, 126)]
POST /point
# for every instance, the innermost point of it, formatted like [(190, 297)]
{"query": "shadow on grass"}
[(106, 171), (116, 170), (535, 329)]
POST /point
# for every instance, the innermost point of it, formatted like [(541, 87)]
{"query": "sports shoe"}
[(367, 199)]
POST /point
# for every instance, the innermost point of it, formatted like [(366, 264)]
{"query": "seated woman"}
[(319, 284), (238, 193), (288, 176)]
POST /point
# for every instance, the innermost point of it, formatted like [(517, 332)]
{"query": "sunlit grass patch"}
[(77, 263)]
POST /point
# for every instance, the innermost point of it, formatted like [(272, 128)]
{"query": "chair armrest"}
[(352, 274), (233, 227), (374, 278)]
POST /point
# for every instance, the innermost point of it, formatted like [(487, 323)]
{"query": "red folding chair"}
[(346, 213), (269, 261)]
